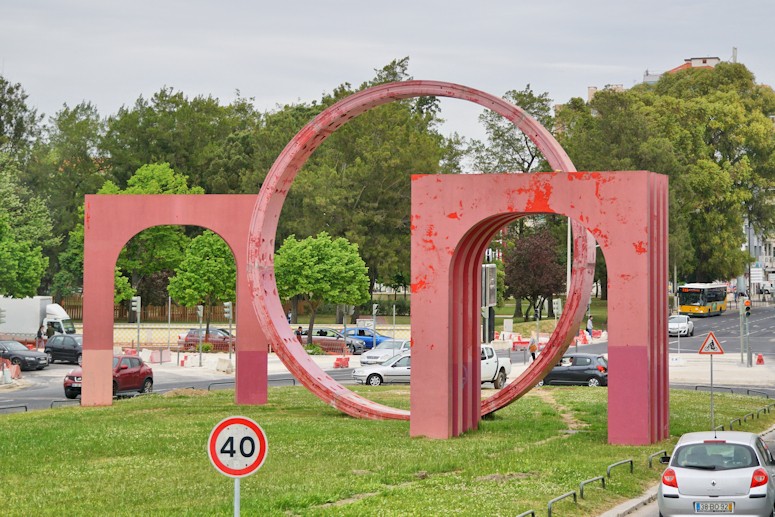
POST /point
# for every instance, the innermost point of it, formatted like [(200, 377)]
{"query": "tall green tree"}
[(20, 124), (710, 131), (206, 276), (321, 269)]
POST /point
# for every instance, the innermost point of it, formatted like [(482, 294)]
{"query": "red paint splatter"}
[(453, 215), (640, 247), (419, 285)]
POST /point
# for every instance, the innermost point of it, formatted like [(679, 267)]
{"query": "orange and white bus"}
[(702, 299)]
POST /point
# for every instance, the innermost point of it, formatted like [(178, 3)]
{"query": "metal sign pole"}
[(712, 416), (236, 497)]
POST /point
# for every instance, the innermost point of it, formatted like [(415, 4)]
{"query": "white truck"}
[(494, 369), (24, 316)]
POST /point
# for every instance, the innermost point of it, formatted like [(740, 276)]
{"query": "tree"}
[(710, 131), (533, 271), (321, 269), (21, 263), (206, 276), (19, 123)]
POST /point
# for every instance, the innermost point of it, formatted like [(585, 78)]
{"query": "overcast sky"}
[(279, 52)]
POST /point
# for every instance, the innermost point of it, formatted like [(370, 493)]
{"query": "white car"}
[(680, 326), (385, 351), (724, 472), (394, 370)]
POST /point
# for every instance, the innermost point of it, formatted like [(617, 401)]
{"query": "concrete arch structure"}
[(109, 222)]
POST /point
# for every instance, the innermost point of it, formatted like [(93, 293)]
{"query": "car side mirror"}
[(664, 460), (123, 367)]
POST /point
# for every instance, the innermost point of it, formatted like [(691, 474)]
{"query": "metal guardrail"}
[(745, 417), (731, 390), (210, 386), (66, 402), (588, 481), (529, 512), (652, 456), (560, 498), (731, 427), (14, 407), (719, 427), (611, 466), (760, 411), (749, 391)]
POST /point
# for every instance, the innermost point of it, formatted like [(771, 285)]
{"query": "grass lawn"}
[(146, 456)]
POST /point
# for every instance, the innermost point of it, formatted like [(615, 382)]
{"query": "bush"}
[(313, 349), (207, 347), (403, 307)]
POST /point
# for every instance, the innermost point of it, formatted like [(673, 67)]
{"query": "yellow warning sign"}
[(711, 345)]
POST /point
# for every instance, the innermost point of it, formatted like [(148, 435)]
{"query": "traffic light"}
[(374, 308), (136, 304), (747, 308), (200, 311), (227, 310)]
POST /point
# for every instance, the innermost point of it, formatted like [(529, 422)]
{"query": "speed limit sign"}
[(237, 446)]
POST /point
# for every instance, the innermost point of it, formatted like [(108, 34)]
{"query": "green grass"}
[(146, 456)]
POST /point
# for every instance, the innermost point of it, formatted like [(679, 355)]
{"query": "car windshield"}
[(115, 362), (78, 339), (391, 344), (715, 455), (14, 346), (678, 319)]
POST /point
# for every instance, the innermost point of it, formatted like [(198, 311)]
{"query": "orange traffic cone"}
[(760, 359)]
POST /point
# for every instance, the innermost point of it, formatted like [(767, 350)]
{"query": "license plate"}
[(76, 385), (714, 507)]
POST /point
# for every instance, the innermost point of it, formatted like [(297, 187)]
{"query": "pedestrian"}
[(50, 330), (589, 327), (39, 336), (298, 333), (289, 316), (533, 346)]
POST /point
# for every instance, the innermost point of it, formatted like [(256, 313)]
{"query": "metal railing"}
[(560, 498), (4, 408), (652, 456), (623, 462), (588, 481)]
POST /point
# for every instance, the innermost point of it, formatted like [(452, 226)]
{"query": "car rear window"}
[(602, 361), (715, 456)]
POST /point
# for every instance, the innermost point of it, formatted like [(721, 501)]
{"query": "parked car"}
[(21, 355), (718, 472), (397, 368), (218, 338), (385, 351), (65, 347), (367, 336), (680, 325), (130, 373), (332, 340), (589, 369), (394, 370)]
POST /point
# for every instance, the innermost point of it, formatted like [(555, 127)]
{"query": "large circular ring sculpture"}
[(270, 202)]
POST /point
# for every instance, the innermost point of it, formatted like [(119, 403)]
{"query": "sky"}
[(109, 52)]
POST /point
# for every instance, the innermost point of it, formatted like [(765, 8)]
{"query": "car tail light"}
[(668, 478), (601, 368), (759, 478)]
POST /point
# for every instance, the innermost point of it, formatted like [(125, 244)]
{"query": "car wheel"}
[(500, 380), (691, 333), (374, 380), (79, 359), (593, 382), (16, 361), (351, 348), (147, 386), (71, 394), (50, 357), (115, 388)]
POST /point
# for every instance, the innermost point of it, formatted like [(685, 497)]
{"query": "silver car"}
[(385, 351), (394, 370), (724, 472), (680, 326)]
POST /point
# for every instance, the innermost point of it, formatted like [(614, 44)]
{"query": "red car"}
[(130, 373), (218, 338)]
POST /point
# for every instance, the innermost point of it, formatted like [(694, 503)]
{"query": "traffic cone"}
[(760, 359)]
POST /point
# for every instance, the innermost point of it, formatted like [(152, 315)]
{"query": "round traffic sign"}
[(237, 446)]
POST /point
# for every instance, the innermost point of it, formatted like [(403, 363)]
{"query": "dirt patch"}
[(186, 392)]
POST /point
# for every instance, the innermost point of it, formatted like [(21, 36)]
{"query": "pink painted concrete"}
[(109, 222), (453, 218), (460, 357)]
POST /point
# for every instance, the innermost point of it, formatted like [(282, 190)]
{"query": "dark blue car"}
[(366, 335)]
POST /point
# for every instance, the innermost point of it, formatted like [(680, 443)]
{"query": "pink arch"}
[(109, 222), (264, 227)]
